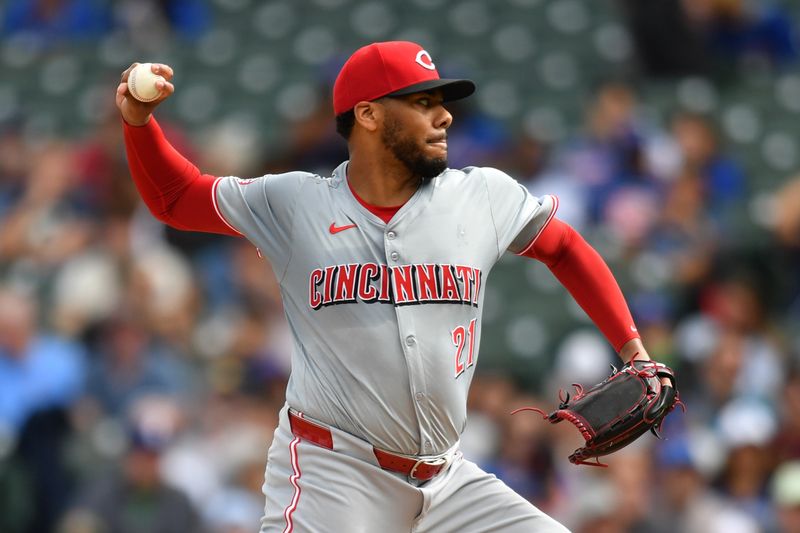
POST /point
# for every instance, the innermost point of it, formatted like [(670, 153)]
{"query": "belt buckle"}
[(436, 462)]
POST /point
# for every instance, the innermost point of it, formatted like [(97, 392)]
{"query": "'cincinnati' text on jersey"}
[(398, 285)]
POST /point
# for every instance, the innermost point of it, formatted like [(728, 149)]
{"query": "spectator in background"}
[(786, 230), (54, 21), (729, 347), (786, 224), (530, 159), (785, 491), (666, 42), (134, 498), (38, 371), (188, 18), (686, 502), (309, 143), (524, 460), (476, 138), (632, 472), (41, 376), (739, 30), (608, 149), (680, 198), (48, 223), (747, 429), (102, 173), (154, 22), (130, 363), (13, 165), (787, 443), (596, 507), (234, 511), (217, 462), (609, 161), (722, 179), (720, 375), (685, 237), (709, 37)]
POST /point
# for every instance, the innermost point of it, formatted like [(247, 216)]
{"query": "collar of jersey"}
[(340, 177)]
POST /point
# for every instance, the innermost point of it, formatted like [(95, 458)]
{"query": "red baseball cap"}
[(391, 68)]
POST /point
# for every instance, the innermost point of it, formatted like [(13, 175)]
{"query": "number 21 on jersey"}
[(464, 337)]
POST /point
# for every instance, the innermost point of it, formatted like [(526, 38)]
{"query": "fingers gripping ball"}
[(142, 83), (614, 413)]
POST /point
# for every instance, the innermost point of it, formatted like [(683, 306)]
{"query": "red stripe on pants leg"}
[(287, 514)]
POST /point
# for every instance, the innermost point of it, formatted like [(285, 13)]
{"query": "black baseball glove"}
[(614, 413)]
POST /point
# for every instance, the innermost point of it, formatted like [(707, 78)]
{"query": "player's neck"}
[(380, 183)]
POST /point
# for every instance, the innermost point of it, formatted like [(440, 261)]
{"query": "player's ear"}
[(368, 115)]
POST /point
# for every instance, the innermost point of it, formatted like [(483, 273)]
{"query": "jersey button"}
[(428, 445), (411, 340), (391, 235), (395, 256), (419, 396)]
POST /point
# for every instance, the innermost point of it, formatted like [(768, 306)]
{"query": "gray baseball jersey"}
[(385, 317)]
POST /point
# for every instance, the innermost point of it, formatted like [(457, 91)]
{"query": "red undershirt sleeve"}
[(582, 271), (171, 186)]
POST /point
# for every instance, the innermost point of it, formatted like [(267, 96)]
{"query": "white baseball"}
[(142, 83)]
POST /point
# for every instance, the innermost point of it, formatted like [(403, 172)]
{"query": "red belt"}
[(321, 436)]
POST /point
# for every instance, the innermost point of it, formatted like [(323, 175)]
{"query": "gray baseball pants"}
[(311, 489)]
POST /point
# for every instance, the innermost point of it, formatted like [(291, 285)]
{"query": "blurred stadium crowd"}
[(141, 368)]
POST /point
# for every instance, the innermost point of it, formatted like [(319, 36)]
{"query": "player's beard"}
[(407, 150)]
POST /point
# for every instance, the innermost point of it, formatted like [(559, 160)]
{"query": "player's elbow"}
[(163, 215), (172, 222)]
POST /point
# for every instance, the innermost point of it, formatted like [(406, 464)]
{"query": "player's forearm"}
[(582, 271), (171, 186), (160, 173)]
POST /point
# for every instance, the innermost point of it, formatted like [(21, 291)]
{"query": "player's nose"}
[(444, 119)]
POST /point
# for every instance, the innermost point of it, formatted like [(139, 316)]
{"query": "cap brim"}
[(451, 89)]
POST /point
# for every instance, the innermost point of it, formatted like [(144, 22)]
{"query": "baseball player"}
[(382, 267)]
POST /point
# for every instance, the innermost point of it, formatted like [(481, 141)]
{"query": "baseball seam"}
[(132, 88)]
